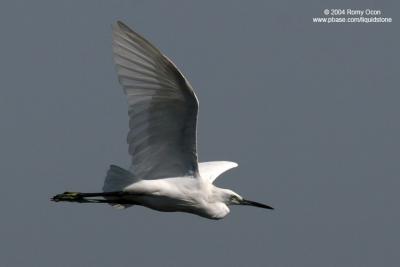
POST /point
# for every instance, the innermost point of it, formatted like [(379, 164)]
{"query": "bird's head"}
[(230, 197)]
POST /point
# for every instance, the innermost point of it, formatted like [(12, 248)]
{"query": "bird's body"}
[(184, 194), (165, 174)]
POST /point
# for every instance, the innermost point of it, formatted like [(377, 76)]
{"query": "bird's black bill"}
[(255, 204)]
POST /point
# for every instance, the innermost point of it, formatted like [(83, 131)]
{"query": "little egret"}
[(164, 174)]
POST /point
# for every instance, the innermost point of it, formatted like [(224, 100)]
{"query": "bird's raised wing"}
[(212, 169), (162, 108)]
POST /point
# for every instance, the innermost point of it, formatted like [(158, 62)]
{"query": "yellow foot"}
[(67, 196)]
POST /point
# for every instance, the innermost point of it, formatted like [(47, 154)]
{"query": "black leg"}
[(87, 197)]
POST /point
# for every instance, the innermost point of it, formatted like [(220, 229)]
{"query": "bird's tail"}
[(116, 180)]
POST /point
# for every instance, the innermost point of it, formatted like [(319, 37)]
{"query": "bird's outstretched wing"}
[(162, 108)]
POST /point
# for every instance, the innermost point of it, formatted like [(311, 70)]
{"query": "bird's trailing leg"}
[(107, 197)]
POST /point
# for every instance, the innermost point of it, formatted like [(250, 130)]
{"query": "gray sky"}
[(309, 111)]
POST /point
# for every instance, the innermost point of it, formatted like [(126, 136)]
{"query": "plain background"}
[(309, 111)]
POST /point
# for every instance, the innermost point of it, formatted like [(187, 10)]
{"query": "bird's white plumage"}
[(212, 169), (162, 109)]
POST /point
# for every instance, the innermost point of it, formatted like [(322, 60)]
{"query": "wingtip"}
[(116, 25), (122, 26)]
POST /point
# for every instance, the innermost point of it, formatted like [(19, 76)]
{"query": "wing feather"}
[(162, 108)]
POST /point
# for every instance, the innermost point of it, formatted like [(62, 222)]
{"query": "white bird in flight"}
[(165, 174)]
